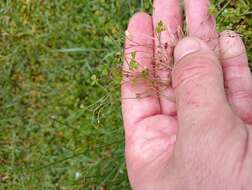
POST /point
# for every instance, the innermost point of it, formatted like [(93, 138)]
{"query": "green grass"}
[(60, 119)]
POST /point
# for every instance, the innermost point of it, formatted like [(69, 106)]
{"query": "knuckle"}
[(198, 67)]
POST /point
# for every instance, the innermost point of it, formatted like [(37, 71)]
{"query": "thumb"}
[(199, 86)]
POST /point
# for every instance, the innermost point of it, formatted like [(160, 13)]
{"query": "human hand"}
[(203, 139)]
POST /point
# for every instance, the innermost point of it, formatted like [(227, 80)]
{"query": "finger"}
[(199, 86), (200, 23), (167, 12), (139, 40), (238, 79)]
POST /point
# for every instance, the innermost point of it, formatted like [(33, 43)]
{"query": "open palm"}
[(160, 133)]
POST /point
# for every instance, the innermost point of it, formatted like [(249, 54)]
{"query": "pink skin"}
[(172, 20), (203, 139)]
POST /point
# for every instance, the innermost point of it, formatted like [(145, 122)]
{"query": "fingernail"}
[(187, 46)]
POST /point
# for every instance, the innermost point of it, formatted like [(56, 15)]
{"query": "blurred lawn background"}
[(60, 118)]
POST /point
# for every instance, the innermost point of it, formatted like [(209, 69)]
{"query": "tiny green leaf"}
[(160, 27), (134, 81), (133, 65), (145, 74), (133, 55)]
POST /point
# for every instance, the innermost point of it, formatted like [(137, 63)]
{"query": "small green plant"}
[(160, 27), (133, 65), (60, 77), (161, 62)]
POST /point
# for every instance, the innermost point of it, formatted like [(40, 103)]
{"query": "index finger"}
[(138, 100)]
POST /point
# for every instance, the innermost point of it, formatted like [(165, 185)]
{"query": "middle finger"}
[(166, 13)]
